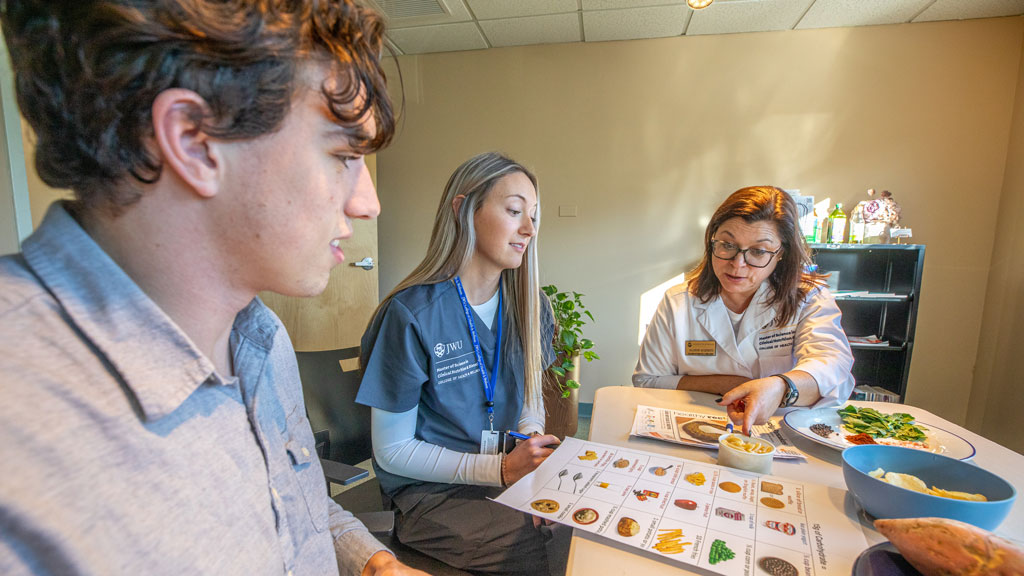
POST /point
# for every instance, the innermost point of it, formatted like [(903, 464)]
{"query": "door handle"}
[(365, 263)]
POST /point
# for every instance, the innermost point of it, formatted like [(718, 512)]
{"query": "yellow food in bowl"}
[(914, 483), (752, 447)]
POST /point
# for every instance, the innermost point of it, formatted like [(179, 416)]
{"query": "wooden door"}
[(336, 319)]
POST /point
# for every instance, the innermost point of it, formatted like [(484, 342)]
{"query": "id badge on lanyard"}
[(489, 439)]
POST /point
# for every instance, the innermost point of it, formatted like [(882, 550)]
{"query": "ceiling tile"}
[(491, 9), (650, 22), (443, 38), (448, 12), (751, 16), (550, 29), (619, 4), (960, 10), (835, 13)]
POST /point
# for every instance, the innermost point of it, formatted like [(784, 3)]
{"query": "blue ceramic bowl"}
[(883, 500)]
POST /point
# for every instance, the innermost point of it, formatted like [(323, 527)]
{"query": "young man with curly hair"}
[(152, 420)]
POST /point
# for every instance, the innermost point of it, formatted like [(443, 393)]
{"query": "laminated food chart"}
[(717, 518)]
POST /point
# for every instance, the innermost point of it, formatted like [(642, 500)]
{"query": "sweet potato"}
[(943, 547)]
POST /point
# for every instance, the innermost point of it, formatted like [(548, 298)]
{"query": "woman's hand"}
[(754, 401), (526, 456)]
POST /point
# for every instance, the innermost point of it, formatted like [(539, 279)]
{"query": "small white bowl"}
[(743, 460)]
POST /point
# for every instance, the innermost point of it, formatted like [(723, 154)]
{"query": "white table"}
[(614, 408)]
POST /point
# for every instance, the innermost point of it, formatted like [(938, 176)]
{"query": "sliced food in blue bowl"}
[(923, 484)]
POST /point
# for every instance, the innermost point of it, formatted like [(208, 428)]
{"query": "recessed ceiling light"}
[(698, 4)]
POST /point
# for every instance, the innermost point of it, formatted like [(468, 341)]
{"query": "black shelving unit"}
[(890, 269)]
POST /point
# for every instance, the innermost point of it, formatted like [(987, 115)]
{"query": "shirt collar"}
[(153, 357)]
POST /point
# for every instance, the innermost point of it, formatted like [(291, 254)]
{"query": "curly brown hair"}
[(790, 282), (87, 73)]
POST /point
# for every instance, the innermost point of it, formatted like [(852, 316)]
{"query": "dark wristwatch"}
[(791, 395)]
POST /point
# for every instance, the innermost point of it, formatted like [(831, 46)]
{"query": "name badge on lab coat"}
[(701, 348)]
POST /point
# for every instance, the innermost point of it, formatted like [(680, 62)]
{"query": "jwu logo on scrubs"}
[(440, 349)]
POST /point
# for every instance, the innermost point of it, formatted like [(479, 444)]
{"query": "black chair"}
[(342, 431), (341, 427)]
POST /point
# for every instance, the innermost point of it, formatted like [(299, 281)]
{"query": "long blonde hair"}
[(452, 243)]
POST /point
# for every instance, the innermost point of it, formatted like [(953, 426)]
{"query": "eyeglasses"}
[(755, 257)]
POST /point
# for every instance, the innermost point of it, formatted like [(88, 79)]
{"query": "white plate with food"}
[(883, 423)]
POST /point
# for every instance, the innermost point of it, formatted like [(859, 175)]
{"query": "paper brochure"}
[(701, 429)]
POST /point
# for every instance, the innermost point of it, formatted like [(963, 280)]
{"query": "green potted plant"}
[(562, 378)]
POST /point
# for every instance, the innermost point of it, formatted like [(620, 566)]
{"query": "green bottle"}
[(837, 224)]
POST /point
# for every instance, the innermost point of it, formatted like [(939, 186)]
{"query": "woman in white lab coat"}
[(750, 323)]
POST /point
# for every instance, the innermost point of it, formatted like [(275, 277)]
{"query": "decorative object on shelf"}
[(856, 227), (899, 233), (821, 212), (805, 212), (873, 220)]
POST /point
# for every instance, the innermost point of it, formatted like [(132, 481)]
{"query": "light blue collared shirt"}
[(122, 451)]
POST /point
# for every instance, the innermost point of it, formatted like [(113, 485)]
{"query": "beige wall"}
[(997, 397), (8, 224), (40, 195), (647, 137)]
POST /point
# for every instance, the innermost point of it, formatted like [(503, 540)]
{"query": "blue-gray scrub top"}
[(419, 351)]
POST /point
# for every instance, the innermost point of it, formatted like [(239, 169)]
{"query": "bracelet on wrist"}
[(504, 484)]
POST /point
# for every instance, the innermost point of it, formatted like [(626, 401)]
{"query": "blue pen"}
[(525, 437)]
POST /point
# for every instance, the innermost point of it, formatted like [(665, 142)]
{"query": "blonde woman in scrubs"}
[(750, 324), (454, 353)]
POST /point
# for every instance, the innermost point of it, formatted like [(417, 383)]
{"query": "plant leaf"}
[(569, 312), (569, 339)]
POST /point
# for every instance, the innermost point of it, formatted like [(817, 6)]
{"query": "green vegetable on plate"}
[(899, 426)]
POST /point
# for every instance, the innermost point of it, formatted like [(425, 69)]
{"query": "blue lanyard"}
[(490, 380)]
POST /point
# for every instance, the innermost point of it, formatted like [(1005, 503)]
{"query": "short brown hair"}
[(87, 73), (790, 281)]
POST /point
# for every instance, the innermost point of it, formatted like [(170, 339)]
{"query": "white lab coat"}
[(813, 341)]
